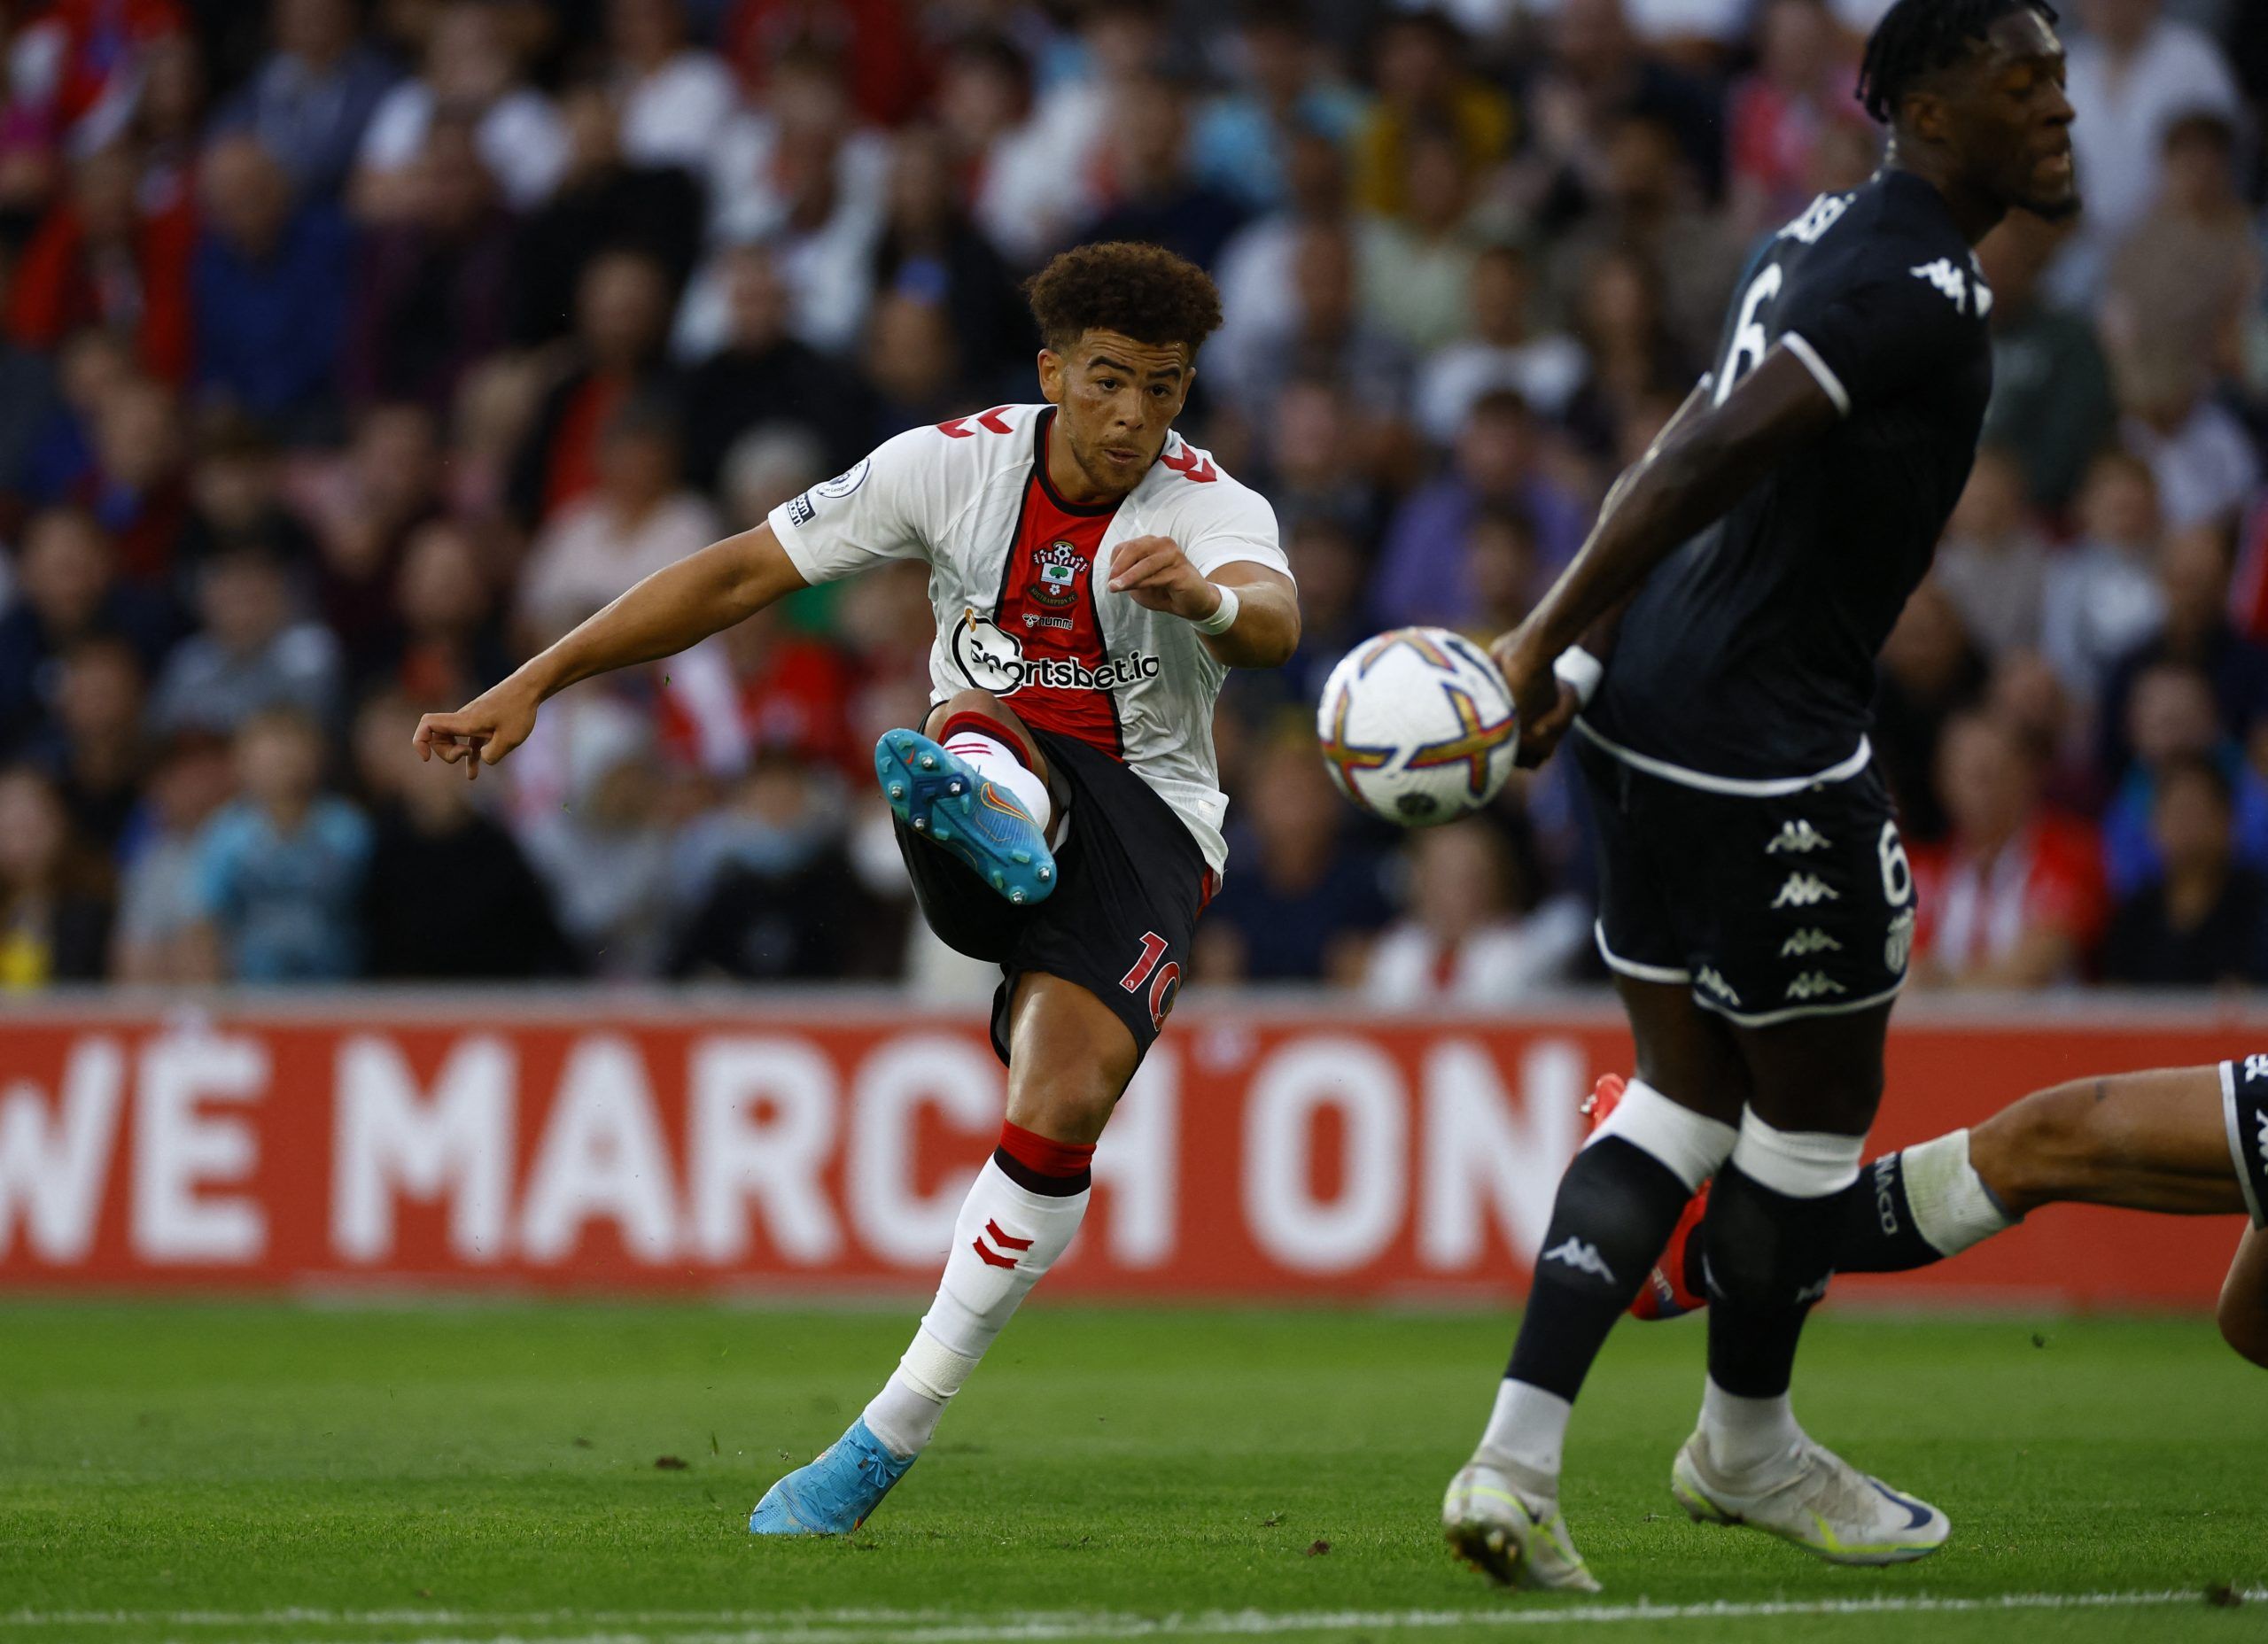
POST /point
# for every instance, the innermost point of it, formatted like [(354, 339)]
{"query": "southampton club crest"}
[(1055, 574)]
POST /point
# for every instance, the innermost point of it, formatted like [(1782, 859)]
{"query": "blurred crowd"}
[(350, 352)]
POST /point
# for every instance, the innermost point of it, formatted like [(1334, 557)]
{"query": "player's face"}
[(2011, 122), (1117, 398)]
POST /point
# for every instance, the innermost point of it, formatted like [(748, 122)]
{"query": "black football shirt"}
[(1748, 654)]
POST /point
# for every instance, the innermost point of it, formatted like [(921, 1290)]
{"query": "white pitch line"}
[(931, 1626)]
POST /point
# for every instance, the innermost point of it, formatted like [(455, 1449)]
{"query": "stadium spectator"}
[(1259, 272), (1282, 83), (280, 869), (2194, 572), (2203, 464), (929, 249), (604, 201), (1425, 79), (312, 96), (237, 499), (1316, 458), (1777, 117), (1993, 564), (763, 375), (1324, 334), (879, 42), (1018, 197), (29, 406), (1930, 671), (1461, 945), (253, 653), (270, 285), (2184, 281), (639, 519), (2014, 898), (604, 852), (159, 936), (67, 592), (2052, 400), (1500, 347), (621, 316), (1594, 76), (1416, 268), (469, 75), (2103, 597), (1498, 463), (99, 258), (54, 914), (435, 294), (2170, 718), (93, 749), (447, 894), (1309, 899), (2133, 71), (1631, 353), (1153, 192), (771, 892), (448, 640), (673, 95), (766, 466), (2205, 919)]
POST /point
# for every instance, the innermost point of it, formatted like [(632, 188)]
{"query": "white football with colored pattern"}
[(1416, 726)]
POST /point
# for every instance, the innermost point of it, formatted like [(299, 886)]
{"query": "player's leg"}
[(1616, 1205), (2244, 1299), (1773, 1211), (1071, 1057), (974, 783)]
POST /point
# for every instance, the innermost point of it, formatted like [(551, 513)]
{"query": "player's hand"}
[(1546, 704), (480, 732), (1158, 576)]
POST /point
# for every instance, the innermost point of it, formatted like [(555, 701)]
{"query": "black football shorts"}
[(1130, 882), (1769, 906), (2244, 1104)]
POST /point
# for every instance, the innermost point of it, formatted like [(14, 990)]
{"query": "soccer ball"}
[(1416, 726)]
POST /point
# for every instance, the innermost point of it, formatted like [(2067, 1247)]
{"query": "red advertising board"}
[(595, 1142)]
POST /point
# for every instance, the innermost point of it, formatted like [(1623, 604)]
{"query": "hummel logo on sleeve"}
[(1804, 890), (1581, 1257)]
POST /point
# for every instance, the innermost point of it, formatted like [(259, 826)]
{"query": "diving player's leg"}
[(1616, 1205), (1774, 1210), (974, 783), (1069, 1059), (2243, 1313)]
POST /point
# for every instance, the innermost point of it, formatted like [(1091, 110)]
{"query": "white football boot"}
[(1813, 1498), (1511, 1536)]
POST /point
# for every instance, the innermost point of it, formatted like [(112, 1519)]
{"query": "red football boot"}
[(1667, 1293)]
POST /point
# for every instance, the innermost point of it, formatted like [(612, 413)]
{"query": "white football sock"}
[(993, 760), (1745, 1434), (1527, 1429), (1020, 1234), (1952, 1206)]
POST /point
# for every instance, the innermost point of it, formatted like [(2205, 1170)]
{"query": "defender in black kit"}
[(1712, 650)]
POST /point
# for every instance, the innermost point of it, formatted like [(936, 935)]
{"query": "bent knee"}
[(2244, 1326), (1074, 1112), (2047, 1147)]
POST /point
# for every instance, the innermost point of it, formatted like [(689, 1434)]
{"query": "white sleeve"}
[(1239, 526), (875, 512)]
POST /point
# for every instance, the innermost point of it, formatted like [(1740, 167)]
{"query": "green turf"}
[(182, 1471)]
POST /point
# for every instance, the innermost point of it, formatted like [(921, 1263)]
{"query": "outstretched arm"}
[(677, 606), (1155, 572), (1702, 465)]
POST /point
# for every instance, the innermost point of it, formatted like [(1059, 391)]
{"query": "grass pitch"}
[(212, 1472)]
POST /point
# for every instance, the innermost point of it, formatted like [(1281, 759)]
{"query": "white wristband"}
[(1223, 617), (1579, 672)]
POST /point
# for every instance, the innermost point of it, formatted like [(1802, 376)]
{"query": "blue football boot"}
[(833, 1495), (983, 823)]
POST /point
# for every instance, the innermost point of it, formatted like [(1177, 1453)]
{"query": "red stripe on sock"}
[(1043, 1157), (985, 725)]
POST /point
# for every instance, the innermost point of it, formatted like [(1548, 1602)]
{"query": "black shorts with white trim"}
[(1771, 900), (2244, 1106)]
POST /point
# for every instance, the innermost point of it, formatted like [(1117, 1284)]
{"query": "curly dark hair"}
[(1142, 291), (1917, 38)]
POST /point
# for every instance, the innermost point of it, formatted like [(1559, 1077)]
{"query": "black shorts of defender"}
[(1768, 906), (2244, 1103), (1130, 882)]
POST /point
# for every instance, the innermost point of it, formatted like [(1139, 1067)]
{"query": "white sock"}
[(993, 760), (1745, 1434), (1527, 1429), (1021, 1234), (1952, 1206)]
